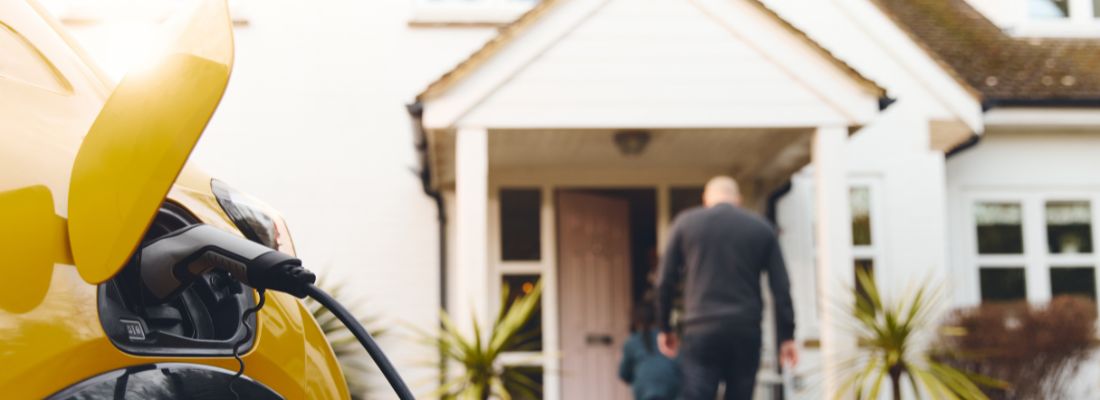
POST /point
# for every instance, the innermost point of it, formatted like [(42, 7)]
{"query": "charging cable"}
[(171, 263), (364, 338), (262, 293)]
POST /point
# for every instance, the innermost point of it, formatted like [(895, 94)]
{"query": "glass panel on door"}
[(529, 337)]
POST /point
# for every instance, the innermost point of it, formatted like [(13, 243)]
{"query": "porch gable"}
[(651, 64)]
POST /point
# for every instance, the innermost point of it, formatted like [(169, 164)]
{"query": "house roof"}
[(1002, 69), (511, 31)]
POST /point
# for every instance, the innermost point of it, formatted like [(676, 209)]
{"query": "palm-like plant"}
[(887, 336), (354, 360), (483, 375)]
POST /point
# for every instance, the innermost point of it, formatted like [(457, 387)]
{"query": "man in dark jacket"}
[(720, 250)]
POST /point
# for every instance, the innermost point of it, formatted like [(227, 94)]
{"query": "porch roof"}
[(511, 31), (1003, 70), (591, 64)]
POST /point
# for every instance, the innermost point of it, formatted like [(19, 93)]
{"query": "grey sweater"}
[(720, 252)]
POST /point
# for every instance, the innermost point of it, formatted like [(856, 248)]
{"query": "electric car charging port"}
[(203, 320)]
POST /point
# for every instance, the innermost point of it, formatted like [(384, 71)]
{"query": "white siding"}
[(894, 151), (1034, 161), (314, 123), (1028, 163)]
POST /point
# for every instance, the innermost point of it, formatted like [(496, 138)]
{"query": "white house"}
[(923, 139)]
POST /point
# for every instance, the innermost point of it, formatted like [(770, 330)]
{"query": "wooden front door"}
[(594, 292)]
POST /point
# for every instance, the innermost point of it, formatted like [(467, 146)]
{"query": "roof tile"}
[(1002, 68)]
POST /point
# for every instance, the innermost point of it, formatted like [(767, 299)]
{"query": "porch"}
[(504, 191), (553, 135)]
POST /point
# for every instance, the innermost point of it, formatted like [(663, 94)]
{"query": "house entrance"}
[(607, 248)]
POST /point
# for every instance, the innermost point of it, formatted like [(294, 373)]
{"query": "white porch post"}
[(834, 248), (471, 227)]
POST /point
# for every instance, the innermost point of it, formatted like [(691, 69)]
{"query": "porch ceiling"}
[(760, 158)]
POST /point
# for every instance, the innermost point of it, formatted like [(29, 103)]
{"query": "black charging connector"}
[(172, 262), (274, 271)]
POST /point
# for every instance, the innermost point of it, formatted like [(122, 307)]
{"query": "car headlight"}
[(257, 221)]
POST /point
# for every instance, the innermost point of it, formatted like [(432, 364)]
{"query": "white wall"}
[(313, 122), (1023, 162), (891, 155), (318, 98)]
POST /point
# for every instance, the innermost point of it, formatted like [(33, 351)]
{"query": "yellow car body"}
[(84, 165)]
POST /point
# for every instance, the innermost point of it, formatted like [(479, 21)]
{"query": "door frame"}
[(549, 181)]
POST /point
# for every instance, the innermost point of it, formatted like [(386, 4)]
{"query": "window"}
[(530, 335), (865, 247), (1057, 18), (860, 199), (1000, 228), (524, 382), (1034, 245), (683, 198), (1073, 281), (519, 267), (1069, 227), (1063, 12), (168, 382), (520, 224), (864, 266), (1003, 284), (1047, 9)]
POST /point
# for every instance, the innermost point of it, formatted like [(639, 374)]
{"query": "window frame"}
[(520, 264), (1036, 258), (543, 268), (873, 252)]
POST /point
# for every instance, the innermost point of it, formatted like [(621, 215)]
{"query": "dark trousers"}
[(713, 355)]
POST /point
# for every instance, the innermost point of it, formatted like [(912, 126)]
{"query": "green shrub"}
[(483, 376), (886, 333)]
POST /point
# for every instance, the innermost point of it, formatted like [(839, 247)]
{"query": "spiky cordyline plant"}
[(354, 360), (483, 376), (887, 336)]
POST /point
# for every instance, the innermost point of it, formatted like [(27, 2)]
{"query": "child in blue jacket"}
[(650, 374)]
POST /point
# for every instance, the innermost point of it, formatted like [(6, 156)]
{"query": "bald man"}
[(721, 250)]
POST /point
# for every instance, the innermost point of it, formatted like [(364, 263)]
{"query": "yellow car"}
[(90, 173)]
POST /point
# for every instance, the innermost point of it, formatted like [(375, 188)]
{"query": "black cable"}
[(245, 339), (365, 339)]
